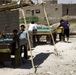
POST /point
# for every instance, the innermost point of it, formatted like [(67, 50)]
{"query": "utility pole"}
[(37, 1), (71, 1)]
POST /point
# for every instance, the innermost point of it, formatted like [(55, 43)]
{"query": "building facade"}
[(54, 11), (9, 20), (51, 1)]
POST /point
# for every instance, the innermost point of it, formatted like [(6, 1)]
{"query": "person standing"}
[(61, 30), (32, 28), (66, 30), (23, 41), (15, 48), (65, 26)]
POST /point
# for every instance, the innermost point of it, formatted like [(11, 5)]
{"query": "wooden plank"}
[(13, 5)]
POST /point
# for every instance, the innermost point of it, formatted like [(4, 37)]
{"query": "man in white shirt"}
[(23, 41), (32, 27)]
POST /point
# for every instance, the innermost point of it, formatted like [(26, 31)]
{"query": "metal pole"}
[(37, 1)]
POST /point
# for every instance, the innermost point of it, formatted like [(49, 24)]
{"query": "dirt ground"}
[(46, 62)]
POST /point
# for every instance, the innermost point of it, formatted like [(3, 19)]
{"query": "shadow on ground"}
[(38, 60), (26, 64)]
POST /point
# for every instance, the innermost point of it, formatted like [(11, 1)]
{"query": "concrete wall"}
[(9, 20), (54, 11), (69, 9)]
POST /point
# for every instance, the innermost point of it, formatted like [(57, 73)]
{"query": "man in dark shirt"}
[(16, 47)]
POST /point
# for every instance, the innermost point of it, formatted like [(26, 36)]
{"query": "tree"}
[(29, 19)]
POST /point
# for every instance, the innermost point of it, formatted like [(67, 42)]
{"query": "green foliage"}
[(21, 20), (29, 19)]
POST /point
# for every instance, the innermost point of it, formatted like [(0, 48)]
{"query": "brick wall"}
[(9, 20), (69, 9), (54, 11)]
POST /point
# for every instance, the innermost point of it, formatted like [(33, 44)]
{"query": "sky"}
[(66, 1), (61, 1)]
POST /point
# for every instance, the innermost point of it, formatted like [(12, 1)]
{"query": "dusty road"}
[(46, 63)]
